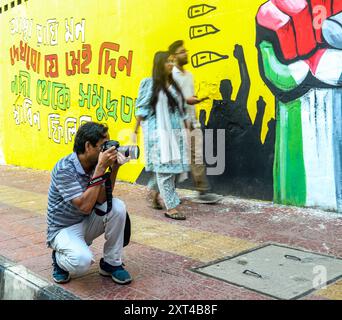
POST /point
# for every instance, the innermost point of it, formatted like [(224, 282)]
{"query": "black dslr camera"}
[(127, 151)]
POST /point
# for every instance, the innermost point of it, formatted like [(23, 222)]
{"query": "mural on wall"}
[(63, 67), (53, 91), (56, 95), (249, 162), (202, 58), (299, 44)]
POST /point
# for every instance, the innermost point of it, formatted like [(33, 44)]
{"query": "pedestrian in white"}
[(186, 83)]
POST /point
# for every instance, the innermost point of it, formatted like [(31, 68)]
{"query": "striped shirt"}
[(68, 181)]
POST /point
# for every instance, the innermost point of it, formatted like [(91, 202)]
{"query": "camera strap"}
[(98, 180), (108, 187)]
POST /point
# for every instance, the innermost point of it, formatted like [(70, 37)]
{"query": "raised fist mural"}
[(300, 59)]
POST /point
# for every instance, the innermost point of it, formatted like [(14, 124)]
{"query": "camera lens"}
[(130, 151)]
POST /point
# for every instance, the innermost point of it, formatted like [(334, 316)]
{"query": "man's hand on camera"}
[(121, 159), (107, 158)]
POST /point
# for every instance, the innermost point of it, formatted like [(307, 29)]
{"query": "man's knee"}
[(119, 209), (80, 262)]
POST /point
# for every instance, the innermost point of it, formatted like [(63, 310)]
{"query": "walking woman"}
[(160, 111)]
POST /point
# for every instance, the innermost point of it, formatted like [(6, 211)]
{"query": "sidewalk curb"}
[(19, 283)]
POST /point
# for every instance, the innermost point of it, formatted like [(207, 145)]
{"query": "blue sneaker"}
[(118, 274), (59, 275)]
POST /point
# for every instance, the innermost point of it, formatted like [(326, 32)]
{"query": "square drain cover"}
[(277, 271)]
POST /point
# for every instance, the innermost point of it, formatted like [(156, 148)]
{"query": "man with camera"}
[(81, 207)]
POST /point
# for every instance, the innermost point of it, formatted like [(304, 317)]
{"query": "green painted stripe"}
[(276, 165), (289, 169), (277, 73)]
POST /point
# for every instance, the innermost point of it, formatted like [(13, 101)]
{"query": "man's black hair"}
[(90, 131), (174, 46)]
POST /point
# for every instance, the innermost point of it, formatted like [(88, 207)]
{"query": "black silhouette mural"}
[(249, 163)]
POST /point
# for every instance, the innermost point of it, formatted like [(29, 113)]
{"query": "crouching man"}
[(71, 218)]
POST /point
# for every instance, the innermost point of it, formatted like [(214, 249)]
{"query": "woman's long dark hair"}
[(159, 83)]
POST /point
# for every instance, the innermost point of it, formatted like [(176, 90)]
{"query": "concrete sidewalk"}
[(163, 251)]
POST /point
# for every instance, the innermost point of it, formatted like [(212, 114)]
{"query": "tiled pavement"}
[(162, 251)]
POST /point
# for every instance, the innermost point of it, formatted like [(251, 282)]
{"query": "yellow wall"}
[(142, 27)]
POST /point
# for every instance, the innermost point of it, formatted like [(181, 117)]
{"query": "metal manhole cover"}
[(277, 271)]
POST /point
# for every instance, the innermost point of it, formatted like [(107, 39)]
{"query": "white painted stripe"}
[(329, 69), (317, 127), (299, 71)]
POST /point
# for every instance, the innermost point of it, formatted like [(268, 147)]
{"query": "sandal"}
[(156, 205), (176, 215)]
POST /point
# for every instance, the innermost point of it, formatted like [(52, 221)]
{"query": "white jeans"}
[(71, 244)]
